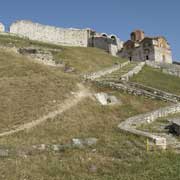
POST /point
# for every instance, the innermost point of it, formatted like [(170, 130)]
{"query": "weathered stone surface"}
[(67, 36), (61, 36), (140, 90), (41, 55), (106, 99), (133, 72), (95, 75), (160, 142), (80, 143), (172, 69), (132, 123), (2, 27)]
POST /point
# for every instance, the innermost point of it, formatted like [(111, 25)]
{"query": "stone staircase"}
[(119, 80), (116, 75)]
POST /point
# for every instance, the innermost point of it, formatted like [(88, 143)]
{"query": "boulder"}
[(105, 99)]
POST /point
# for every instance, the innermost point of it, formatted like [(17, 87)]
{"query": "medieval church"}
[(144, 48)]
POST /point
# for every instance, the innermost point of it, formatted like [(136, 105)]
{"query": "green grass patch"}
[(155, 78)]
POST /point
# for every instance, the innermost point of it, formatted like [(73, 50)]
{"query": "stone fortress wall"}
[(50, 34), (67, 36)]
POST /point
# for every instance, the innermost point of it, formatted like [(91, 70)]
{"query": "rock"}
[(106, 99), (160, 142), (112, 100), (42, 147), (77, 143), (84, 142), (55, 147), (90, 141), (102, 98), (4, 153)]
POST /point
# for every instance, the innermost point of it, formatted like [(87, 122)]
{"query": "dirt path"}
[(67, 104)]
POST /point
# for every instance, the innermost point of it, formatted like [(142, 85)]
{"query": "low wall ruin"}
[(133, 72), (166, 68), (95, 75), (132, 123)]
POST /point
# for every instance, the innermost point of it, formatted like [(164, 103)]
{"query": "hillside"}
[(155, 78), (81, 59), (31, 90)]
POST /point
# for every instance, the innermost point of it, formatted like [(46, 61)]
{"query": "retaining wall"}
[(140, 91), (132, 123), (133, 72), (95, 75), (171, 69)]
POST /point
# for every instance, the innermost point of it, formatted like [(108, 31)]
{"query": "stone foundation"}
[(132, 123)]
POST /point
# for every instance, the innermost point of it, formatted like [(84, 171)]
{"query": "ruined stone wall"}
[(162, 55), (2, 28), (140, 90), (113, 49), (171, 69), (107, 44), (101, 42), (50, 34), (133, 72), (95, 75), (131, 124)]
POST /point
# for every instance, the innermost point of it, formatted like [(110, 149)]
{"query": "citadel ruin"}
[(139, 48)]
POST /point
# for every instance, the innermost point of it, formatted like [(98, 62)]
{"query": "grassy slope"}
[(82, 59), (27, 89), (86, 59), (155, 78), (118, 155)]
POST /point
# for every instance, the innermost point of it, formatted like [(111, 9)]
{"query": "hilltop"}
[(46, 103)]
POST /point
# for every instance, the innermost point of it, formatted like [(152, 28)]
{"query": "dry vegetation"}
[(82, 59), (28, 90), (155, 78)]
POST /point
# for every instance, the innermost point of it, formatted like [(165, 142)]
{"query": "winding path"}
[(67, 104)]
